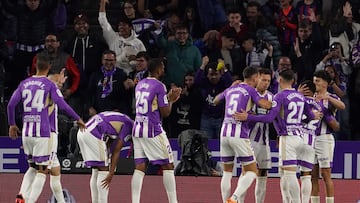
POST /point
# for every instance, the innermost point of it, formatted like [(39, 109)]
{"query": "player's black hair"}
[(154, 64), (287, 75), (323, 75), (309, 84), (250, 71)]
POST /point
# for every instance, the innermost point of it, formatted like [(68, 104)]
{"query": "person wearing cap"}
[(86, 48), (124, 42)]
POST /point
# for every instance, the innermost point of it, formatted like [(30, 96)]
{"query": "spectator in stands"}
[(130, 9), (307, 47), (335, 86), (234, 21), (156, 9), (344, 30), (186, 111), (59, 60), (286, 22), (262, 28), (181, 56), (140, 72), (305, 8), (210, 41), (86, 48), (284, 64), (191, 19), (211, 79), (125, 43), (335, 56), (34, 19), (110, 88), (228, 52)]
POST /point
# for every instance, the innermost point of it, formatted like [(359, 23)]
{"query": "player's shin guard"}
[(226, 185), (244, 183), (93, 185), (170, 185), (103, 192), (36, 187), (136, 185), (260, 189), (56, 188), (284, 187), (305, 188), (28, 179), (294, 188)]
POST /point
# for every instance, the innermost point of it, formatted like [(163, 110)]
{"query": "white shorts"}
[(231, 147), (324, 150), (157, 150), (54, 161), (290, 148), (262, 155), (93, 150), (306, 158), (38, 149)]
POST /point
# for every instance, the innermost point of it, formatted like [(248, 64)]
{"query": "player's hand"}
[(236, 82), (106, 182), (318, 114), (174, 94), (81, 124), (304, 89), (240, 116), (14, 132)]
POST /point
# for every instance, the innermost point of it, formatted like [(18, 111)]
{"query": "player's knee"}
[(168, 166), (262, 172), (43, 169)]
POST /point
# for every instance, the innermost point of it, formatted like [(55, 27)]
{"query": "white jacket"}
[(123, 47)]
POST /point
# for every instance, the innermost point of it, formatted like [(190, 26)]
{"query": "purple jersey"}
[(327, 107), (150, 95), (309, 126), (37, 94), (237, 97), (288, 107), (53, 118), (113, 124), (260, 131)]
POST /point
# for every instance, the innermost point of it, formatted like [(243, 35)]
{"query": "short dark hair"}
[(212, 65), (305, 23), (254, 4), (287, 75), (181, 26), (323, 75), (124, 19), (233, 10), (42, 61), (143, 54), (250, 71), (154, 64), (109, 52), (309, 84), (265, 71)]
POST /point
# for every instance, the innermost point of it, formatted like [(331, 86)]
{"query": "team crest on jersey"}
[(58, 91), (273, 104)]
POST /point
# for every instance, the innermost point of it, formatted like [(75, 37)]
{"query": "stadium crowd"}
[(206, 45)]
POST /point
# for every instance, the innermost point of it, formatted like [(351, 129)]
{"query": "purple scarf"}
[(107, 83)]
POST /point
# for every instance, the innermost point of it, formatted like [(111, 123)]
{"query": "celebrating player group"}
[(303, 117)]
